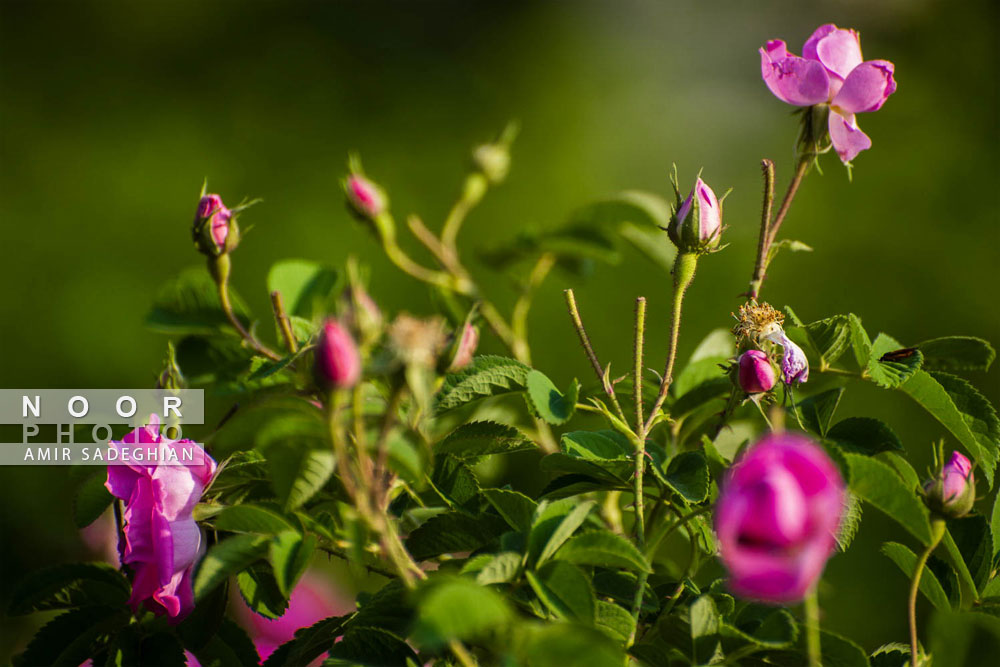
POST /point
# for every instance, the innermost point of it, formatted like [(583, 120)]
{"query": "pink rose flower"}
[(162, 540), (777, 517), (337, 363), (952, 492), (210, 207), (755, 373), (831, 70)]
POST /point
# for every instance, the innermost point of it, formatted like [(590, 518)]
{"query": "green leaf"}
[(963, 411), (906, 560), (301, 469), (837, 651), (964, 639), (251, 519), (890, 374), (290, 554), (864, 435), (817, 411), (956, 559), (893, 654), (902, 468), (499, 569), (260, 591), (230, 647), (553, 525), (67, 586), (190, 304), (773, 630), (549, 403), (850, 522), (483, 439), (516, 508), (860, 343), (305, 286), (271, 422), (458, 609), (452, 532), (456, 483), (995, 525), (650, 243), (372, 647), (876, 483), (830, 337), (957, 353), (705, 624), (975, 543), (70, 638), (608, 473), (225, 559), (92, 498), (602, 548), (309, 643), (162, 650), (566, 645), (484, 376), (605, 445), (198, 627), (565, 590), (687, 474), (614, 620)]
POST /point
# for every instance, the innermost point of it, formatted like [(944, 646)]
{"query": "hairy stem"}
[(219, 267), (937, 532), (637, 354), (767, 167), (812, 629), (764, 249), (581, 331), (284, 324)]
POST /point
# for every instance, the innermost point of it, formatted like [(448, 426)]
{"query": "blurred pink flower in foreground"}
[(777, 517), (162, 540), (830, 70)]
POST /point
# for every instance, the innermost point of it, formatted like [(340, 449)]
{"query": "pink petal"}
[(809, 48), (792, 79), (848, 139), (839, 51), (867, 87)]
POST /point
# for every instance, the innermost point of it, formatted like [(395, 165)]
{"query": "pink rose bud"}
[(831, 72), (215, 231), (777, 517), (337, 362), (756, 373), (366, 198), (952, 492), (465, 347), (697, 223), (162, 540)]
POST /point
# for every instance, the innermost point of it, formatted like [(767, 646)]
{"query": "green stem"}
[(812, 629), (519, 316), (473, 190), (937, 532), (764, 249), (219, 268), (581, 332), (637, 353), (681, 521)]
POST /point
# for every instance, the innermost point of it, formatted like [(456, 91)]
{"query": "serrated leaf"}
[(547, 401), (67, 586), (906, 560), (309, 643), (290, 553), (452, 532), (498, 569), (876, 483), (300, 471), (603, 548), (975, 544), (260, 591), (817, 411), (957, 353), (551, 529), (225, 559), (605, 445), (860, 342), (963, 411), (893, 654), (608, 474), (516, 508), (483, 439), (456, 483), (864, 435), (995, 525), (830, 337), (190, 304), (251, 519), (890, 374), (705, 625), (775, 630), (230, 647), (902, 468), (458, 609), (687, 475), (198, 627), (614, 620), (305, 286), (485, 376), (372, 647), (92, 498), (849, 522), (70, 638), (565, 590), (964, 638)]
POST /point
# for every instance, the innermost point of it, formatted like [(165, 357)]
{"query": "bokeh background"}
[(112, 114)]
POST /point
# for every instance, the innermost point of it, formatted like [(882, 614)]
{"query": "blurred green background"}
[(112, 114)]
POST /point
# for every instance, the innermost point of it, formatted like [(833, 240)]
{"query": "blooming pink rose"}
[(336, 360), (162, 539), (953, 491), (756, 373), (830, 70), (211, 206), (312, 600), (777, 517)]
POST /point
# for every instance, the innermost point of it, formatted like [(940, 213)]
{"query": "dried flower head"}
[(757, 320), (417, 341)]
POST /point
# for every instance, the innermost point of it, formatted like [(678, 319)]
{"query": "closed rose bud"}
[(952, 492), (777, 516), (215, 231), (756, 373), (366, 198), (337, 364), (464, 348), (697, 223)]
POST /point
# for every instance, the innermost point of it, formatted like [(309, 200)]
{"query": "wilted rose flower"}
[(465, 347), (830, 71), (777, 517), (697, 223), (337, 363), (365, 197), (952, 491), (214, 226), (312, 600), (755, 372), (794, 365), (162, 539)]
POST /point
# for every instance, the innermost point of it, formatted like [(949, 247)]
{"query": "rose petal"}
[(867, 87), (848, 139), (839, 51), (792, 79)]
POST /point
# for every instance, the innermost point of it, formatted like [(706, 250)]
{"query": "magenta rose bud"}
[(366, 198), (953, 491), (215, 231), (777, 518), (464, 348), (162, 540), (756, 373), (337, 361), (697, 223)]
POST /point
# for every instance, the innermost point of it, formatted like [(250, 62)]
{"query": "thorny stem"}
[(937, 532), (637, 353), (219, 267), (640, 453), (764, 249), (574, 314), (767, 167), (813, 646), (278, 305)]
